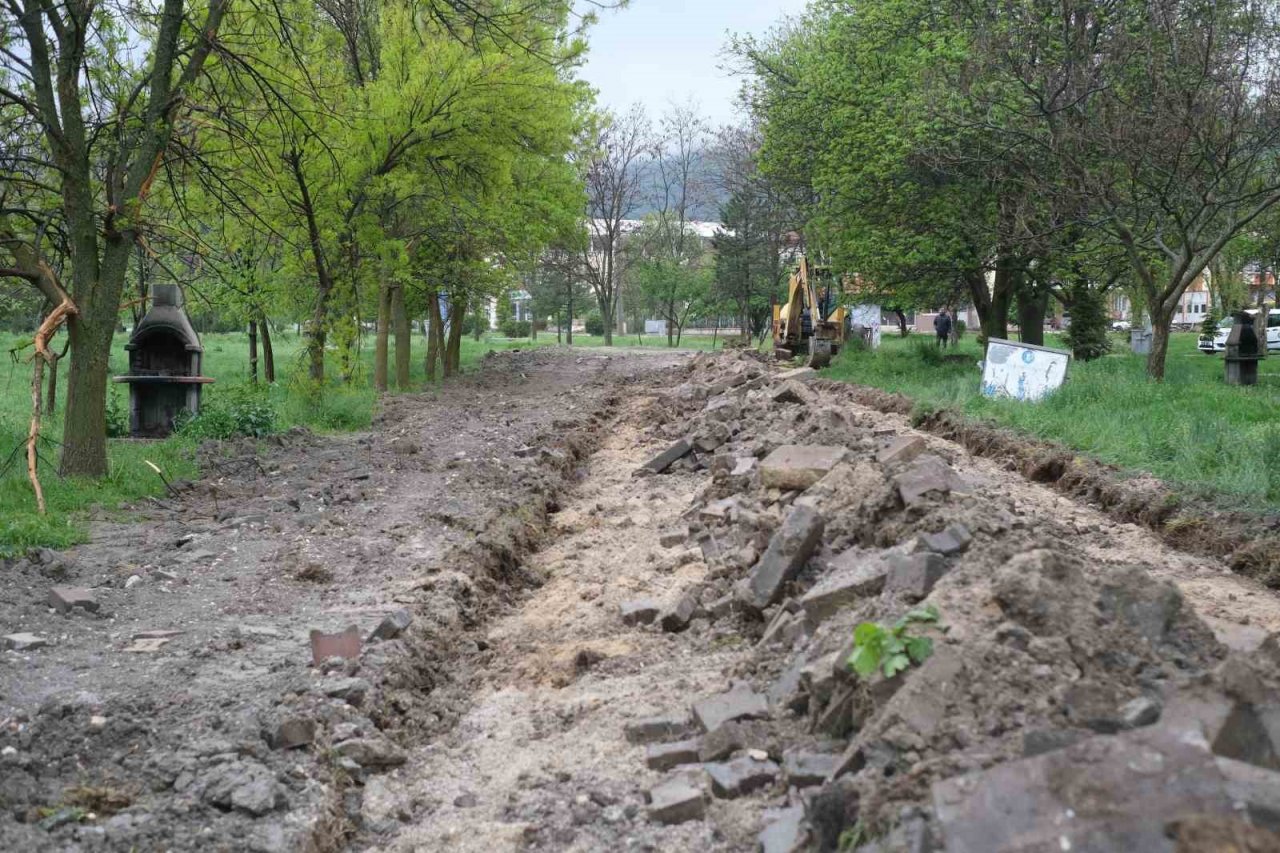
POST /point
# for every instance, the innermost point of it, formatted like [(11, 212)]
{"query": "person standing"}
[(942, 325)]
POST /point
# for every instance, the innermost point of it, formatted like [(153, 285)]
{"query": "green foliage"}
[(960, 327), (230, 412), (927, 350), (117, 412), (514, 328), (593, 324), (891, 649), (1087, 335), (1209, 328)]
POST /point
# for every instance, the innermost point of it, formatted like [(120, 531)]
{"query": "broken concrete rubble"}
[(665, 459), (66, 598), (740, 703), (676, 617), (741, 776), (799, 466), (785, 833), (913, 575), (1067, 799), (664, 756), (901, 450), (653, 729), (392, 625), (788, 550), (24, 642), (676, 801), (853, 575), (928, 474), (643, 611)]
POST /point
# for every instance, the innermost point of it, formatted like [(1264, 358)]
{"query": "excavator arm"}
[(821, 337)]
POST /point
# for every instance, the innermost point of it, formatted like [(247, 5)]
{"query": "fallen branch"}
[(42, 356)]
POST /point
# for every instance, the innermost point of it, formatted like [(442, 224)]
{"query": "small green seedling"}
[(891, 650)]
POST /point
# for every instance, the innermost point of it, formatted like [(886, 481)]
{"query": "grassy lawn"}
[(336, 407), (1211, 440)]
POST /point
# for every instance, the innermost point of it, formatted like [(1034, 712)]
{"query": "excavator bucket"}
[(820, 352)]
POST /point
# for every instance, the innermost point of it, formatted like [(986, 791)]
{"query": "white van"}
[(1218, 343)]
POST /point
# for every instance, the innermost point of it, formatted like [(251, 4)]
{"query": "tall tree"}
[(616, 168)]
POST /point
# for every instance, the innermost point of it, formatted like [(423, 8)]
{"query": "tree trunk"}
[(84, 433), (380, 338), (568, 326), (268, 354), (606, 316), (902, 322), (434, 321), (51, 398), (253, 351), (1161, 317), (404, 336), (1031, 310), (453, 349)]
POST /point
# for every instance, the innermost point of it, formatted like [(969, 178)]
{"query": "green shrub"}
[(232, 411), (1087, 334), (960, 327), (928, 351), (593, 324), (1209, 328), (469, 324), (514, 328), (117, 412)]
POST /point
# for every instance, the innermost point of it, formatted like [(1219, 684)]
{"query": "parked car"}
[(1121, 325), (1218, 343)]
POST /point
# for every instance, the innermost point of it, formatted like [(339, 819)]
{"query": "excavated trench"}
[(641, 694)]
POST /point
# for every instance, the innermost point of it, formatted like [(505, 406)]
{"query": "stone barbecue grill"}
[(164, 366)]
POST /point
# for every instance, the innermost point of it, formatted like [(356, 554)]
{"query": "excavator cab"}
[(811, 322)]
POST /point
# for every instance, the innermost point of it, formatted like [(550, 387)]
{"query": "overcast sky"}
[(655, 51)]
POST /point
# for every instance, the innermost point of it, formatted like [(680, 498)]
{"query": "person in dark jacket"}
[(942, 325)]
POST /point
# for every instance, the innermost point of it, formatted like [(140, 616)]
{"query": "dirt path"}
[(149, 723)]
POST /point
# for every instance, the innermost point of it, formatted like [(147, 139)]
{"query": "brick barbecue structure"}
[(164, 366)]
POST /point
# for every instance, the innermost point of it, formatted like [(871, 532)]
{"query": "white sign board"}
[(868, 317), (1022, 371)]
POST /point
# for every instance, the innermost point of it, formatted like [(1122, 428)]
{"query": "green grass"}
[(335, 407), (1211, 440)]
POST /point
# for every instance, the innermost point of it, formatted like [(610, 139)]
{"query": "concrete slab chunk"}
[(65, 598), (807, 769), (741, 776), (676, 618), (788, 550), (392, 625), (668, 457), (954, 539), (24, 642), (664, 756), (676, 801), (799, 466), (855, 574), (740, 703), (653, 729), (785, 833), (928, 474), (914, 575), (642, 611), (1067, 799), (901, 450)]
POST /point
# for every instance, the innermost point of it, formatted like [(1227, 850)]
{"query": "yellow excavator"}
[(811, 322)]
